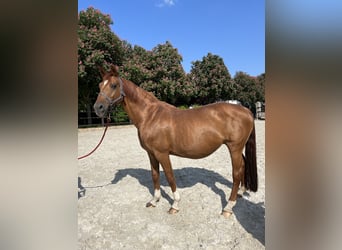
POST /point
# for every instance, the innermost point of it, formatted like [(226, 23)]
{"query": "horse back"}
[(195, 133)]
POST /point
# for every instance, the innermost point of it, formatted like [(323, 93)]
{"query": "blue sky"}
[(232, 29)]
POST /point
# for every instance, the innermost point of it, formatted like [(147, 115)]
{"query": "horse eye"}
[(113, 86)]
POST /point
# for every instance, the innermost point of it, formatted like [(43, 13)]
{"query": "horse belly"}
[(196, 147)]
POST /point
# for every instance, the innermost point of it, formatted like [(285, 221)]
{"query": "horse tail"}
[(251, 174)]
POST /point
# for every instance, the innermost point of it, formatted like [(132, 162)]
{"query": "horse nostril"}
[(99, 107)]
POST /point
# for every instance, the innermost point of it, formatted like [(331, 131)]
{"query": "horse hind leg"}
[(238, 165), (242, 189)]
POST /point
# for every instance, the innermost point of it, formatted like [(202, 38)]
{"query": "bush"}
[(183, 107), (119, 116)]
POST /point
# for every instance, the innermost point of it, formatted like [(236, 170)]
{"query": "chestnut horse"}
[(195, 133)]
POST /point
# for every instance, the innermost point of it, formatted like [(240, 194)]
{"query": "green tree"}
[(97, 45), (260, 87), (246, 89), (165, 74), (159, 70), (211, 80), (136, 66)]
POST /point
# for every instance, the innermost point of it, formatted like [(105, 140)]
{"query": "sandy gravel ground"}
[(115, 184)]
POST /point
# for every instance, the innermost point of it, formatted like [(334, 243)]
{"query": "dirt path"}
[(116, 182)]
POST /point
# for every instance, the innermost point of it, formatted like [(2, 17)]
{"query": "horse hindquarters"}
[(244, 169)]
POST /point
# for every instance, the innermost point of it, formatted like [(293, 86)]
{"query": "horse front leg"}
[(156, 181), (164, 159)]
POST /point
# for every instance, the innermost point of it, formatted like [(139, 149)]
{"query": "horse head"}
[(111, 91)]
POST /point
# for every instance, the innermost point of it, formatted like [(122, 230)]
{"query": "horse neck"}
[(137, 103)]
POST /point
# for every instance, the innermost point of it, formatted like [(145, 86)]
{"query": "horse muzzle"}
[(100, 109)]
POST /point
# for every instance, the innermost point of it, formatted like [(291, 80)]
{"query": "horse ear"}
[(102, 71), (114, 70)]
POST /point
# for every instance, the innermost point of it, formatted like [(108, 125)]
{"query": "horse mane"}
[(153, 99), (136, 93), (150, 95)]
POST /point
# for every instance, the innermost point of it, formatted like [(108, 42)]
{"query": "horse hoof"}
[(173, 211), (149, 204), (226, 214), (152, 203)]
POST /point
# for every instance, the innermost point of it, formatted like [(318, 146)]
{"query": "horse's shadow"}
[(186, 177), (253, 221), (250, 215), (81, 189)]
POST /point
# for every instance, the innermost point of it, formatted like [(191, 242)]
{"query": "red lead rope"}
[(104, 132)]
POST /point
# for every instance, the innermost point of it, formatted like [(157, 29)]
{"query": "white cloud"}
[(166, 3), (169, 2)]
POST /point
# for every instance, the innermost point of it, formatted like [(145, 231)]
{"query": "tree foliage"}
[(211, 80), (136, 67), (158, 70), (247, 90), (97, 45), (260, 87), (167, 79)]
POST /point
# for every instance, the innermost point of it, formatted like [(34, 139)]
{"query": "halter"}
[(116, 100)]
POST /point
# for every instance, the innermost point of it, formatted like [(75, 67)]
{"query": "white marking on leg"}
[(176, 200), (157, 194), (156, 197), (242, 190), (105, 82), (229, 207)]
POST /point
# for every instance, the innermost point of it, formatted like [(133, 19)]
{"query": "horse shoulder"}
[(155, 130)]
